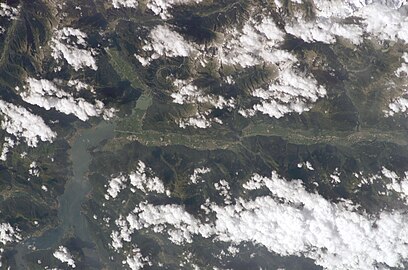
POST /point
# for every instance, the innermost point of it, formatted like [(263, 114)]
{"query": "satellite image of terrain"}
[(204, 134)]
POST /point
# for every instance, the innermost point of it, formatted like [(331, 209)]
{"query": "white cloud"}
[(136, 261), (21, 123), (325, 31), (306, 164), (382, 19), (9, 11), (335, 177), (384, 22), (256, 44), (7, 145), (165, 42), (161, 7), (184, 225), (65, 44), (290, 92), (197, 174), (78, 85), (290, 221), (402, 71), (47, 95), (64, 256), (8, 234), (116, 184), (142, 178), (125, 3), (224, 188), (186, 92), (34, 170), (307, 224), (400, 103), (397, 184), (199, 120)]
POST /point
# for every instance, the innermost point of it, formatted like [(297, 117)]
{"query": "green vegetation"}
[(125, 69)]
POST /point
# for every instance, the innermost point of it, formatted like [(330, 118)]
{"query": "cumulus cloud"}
[(386, 23), (165, 42), (289, 221), (8, 234), (199, 120), (8, 11), (47, 95), (21, 123), (78, 85), (188, 93), (224, 189), (290, 92), (136, 261), (382, 19), (185, 92), (256, 44), (63, 254), (161, 7), (125, 3), (197, 173), (325, 31), (307, 224), (116, 184), (397, 184), (7, 145), (65, 44), (400, 103), (183, 225), (142, 178)]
